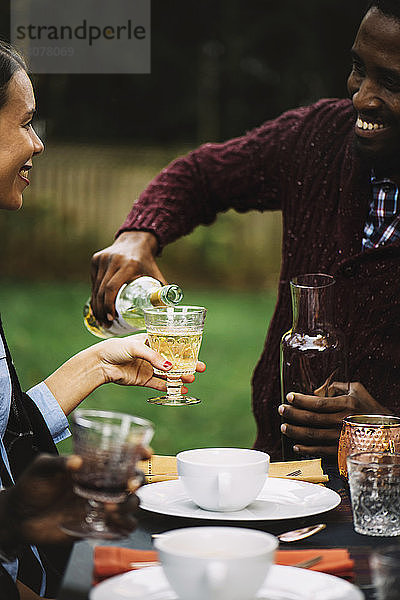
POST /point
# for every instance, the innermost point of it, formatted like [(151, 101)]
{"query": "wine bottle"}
[(131, 299)]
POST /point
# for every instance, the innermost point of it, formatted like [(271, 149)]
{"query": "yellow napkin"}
[(310, 470), (163, 468), (159, 468)]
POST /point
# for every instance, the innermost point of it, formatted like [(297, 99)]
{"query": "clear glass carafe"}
[(313, 351)]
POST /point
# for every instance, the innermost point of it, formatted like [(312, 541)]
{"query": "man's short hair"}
[(390, 8)]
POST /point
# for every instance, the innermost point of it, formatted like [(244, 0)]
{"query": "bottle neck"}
[(166, 295), (312, 303)]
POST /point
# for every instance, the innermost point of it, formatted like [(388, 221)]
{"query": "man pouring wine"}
[(333, 170)]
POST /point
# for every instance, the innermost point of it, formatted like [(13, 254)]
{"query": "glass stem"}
[(95, 516), (174, 386)]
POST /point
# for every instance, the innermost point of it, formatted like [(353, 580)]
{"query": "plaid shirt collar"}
[(383, 221)]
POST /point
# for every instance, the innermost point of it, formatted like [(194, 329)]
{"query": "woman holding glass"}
[(33, 422)]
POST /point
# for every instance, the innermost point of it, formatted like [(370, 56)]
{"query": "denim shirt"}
[(52, 413)]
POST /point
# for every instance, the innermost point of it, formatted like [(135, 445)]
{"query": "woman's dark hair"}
[(10, 62), (390, 8)]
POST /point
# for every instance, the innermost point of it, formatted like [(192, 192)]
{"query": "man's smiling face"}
[(374, 86)]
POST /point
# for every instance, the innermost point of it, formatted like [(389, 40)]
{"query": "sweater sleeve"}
[(243, 173)]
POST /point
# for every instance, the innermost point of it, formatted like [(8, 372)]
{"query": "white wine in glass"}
[(176, 333)]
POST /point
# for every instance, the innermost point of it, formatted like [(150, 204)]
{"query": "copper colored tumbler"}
[(368, 433)]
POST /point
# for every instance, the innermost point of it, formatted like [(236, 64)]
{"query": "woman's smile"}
[(20, 142)]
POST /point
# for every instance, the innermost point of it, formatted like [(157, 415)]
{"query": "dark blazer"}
[(26, 436)]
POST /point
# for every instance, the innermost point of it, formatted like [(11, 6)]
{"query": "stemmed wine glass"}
[(110, 445), (176, 333)]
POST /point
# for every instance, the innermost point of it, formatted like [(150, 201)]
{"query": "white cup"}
[(216, 563), (223, 479)]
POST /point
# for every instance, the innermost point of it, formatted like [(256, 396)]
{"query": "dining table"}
[(339, 533)]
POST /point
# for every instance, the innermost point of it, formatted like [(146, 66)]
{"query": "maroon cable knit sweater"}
[(303, 164)]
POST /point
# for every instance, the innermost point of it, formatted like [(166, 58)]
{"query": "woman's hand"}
[(315, 422), (130, 361), (43, 498), (126, 361)]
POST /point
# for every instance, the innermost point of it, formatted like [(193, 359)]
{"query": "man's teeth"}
[(24, 173), (368, 125)]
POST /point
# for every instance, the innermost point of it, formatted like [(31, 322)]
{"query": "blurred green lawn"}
[(44, 327)]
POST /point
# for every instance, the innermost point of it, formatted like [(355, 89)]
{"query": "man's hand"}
[(130, 256), (314, 422), (43, 498)]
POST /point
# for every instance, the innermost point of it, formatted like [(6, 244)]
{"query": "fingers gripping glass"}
[(176, 333), (110, 444)]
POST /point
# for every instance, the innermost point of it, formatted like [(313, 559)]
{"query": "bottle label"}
[(155, 298)]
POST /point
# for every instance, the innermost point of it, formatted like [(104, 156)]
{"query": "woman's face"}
[(18, 141)]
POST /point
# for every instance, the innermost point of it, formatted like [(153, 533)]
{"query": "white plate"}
[(282, 583), (279, 499)]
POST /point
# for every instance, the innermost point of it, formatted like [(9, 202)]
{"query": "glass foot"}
[(86, 530), (177, 401)]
